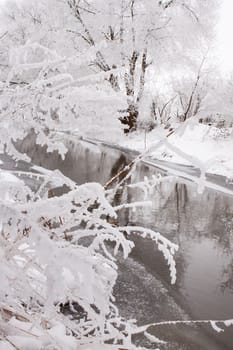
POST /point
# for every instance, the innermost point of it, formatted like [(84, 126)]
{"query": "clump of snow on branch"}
[(41, 96)]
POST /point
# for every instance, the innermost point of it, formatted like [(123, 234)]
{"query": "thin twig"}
[(14, 346), (4, 34)]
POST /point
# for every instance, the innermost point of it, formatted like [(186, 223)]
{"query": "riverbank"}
[(208, 144)]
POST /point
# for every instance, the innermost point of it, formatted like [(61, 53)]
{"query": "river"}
[(202, 225)]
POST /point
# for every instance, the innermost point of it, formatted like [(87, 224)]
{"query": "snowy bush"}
[(44, 97)]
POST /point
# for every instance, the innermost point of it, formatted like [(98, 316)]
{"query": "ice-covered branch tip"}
[(133, 205), (133, 330), (167, 248), (213, 323), (149, 184)]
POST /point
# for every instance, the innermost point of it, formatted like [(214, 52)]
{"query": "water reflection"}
[(202, 226), (197, 222), (200, 223), (227, 284)]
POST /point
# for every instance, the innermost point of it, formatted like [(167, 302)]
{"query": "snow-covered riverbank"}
[(209, 144)]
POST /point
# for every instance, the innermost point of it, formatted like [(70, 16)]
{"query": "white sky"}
[(225, 36)]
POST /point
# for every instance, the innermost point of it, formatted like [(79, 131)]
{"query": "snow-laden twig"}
[(164, 245), (133, 205), (213, 324)]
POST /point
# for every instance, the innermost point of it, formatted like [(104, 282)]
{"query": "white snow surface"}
[(206, 143)]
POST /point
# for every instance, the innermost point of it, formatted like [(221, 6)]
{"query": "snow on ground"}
[(204, 142), (209, 144)]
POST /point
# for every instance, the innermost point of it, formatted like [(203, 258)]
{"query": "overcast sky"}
[(225, 35)]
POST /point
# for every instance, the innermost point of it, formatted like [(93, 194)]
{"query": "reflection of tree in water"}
[(172, 208), (227, 284), (221, 231), (122, 194), (181, 196), (174, 219), (119, 165), (226, 242), (179, 199), (223, 227), (209, 215), (184, 216), (206, 215)]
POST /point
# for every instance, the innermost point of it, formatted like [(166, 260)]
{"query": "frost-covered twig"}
[(164, 245), (133, 205), (213, 324)]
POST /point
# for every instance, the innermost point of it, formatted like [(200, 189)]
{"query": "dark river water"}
[(202, 225)]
